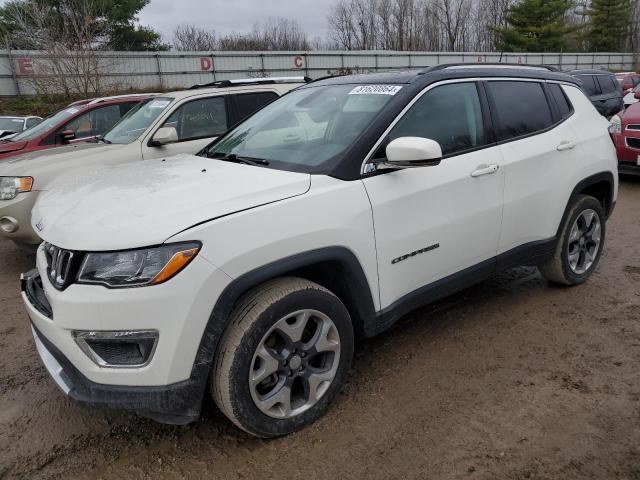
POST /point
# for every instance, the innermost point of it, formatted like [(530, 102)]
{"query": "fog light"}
[(121, 349), (9, 224)]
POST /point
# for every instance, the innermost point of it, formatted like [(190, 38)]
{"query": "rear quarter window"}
[(521, 108), (560, 99)]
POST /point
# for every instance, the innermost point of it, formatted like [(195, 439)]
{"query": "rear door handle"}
[(565, 145), (485, 170)]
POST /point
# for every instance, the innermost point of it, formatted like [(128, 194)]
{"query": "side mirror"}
[(164, 136), (67, 135), (410, 152)]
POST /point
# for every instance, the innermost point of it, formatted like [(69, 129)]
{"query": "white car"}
[(249, 271), (162, 126), (632, 97), (10, 126)]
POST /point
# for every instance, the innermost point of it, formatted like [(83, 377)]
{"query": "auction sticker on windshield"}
[(376, 90)]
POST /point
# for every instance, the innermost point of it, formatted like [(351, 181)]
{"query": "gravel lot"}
[(510, 379)]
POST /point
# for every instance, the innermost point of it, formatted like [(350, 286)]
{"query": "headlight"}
[(615, 125), (137, 268), (10, 187)]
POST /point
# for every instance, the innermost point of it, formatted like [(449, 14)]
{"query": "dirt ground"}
[(512, 379)]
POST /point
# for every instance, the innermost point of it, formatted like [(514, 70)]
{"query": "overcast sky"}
[(225, 16)]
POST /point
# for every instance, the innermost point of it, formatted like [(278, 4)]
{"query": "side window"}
[(450, 114), (635, 81), (248, 103), (607, 84), (206, 117), (94, 122), (32, 122), (521, 108), (589, 84), (561, 100)]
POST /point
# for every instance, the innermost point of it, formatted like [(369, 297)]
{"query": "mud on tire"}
[(298, 333), (580, 244)]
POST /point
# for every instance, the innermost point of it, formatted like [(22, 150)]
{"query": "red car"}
[(625, 132), (79, 122), (628, 80)]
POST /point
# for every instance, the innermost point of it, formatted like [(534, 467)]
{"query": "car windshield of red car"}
[(46, 125)]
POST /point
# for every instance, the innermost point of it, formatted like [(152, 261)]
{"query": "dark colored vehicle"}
[(79, 122), (625, 132), (603, 90)]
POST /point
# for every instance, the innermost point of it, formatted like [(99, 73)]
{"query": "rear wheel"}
[(283, 357), (580, 245)]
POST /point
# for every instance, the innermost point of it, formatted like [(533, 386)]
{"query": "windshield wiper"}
[(232, 157), (100, 138)]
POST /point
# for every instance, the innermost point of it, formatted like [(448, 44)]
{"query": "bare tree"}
[(68, 61), (187, 37)]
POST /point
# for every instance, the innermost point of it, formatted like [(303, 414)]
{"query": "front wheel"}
[(283, 357), (580, 245)]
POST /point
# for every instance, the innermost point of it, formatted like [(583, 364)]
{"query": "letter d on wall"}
[(206, 64)]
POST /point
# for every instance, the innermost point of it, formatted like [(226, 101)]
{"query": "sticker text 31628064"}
[(375, 90)]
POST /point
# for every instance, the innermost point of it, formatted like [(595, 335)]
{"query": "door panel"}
[(535, 192), (431, 222), (441, 208)]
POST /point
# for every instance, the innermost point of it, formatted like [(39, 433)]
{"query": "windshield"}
[(9, 124), (137, 120), (308, 129), (46, 125)]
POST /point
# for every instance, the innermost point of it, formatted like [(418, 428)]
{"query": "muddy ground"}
[(510, 379)]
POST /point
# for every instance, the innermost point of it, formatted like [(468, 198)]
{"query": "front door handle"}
[(565, 145), (485, 170)]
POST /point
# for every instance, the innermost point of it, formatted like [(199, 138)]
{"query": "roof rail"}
[(444, 66), (115, 97), (251, 81)]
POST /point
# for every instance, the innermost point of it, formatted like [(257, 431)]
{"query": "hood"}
[(142, 204), (31, 163), (8, 147), (631, 114)]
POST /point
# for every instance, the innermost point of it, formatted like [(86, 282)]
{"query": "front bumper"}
[(19, 209), (178, 403), (170, 388)]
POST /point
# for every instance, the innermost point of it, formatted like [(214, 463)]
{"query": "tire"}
[(565, 268), (266, 334)]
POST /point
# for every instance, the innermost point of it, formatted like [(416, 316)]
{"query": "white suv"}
[(249, 270), (165, 125)]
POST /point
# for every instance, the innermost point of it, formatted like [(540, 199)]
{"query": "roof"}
[(451, 71), (282, 85), (590, 71)]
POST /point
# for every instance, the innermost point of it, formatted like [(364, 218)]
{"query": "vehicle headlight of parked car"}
[(10, 187), (134, 268), (615, 125)]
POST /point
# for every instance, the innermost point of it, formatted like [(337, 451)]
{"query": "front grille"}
[(61, 265), (633, 142), (633, 127)]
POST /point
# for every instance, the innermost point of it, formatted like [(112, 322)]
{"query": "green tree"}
[(112, 23), (609, 25), (536, 26)]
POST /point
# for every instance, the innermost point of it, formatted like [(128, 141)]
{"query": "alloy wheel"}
[(294, 364), (584, 241)]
